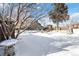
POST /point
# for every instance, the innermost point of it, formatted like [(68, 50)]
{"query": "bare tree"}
[(13, 14)]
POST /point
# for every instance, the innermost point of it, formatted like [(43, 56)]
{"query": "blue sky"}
[(72, 7), (42, 8), (73, 11)]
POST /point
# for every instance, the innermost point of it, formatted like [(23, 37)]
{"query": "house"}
[(48, 28), (75, 26), (35, 25), (30, 24)]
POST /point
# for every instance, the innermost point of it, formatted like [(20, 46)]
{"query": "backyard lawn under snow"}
[(35, 43)]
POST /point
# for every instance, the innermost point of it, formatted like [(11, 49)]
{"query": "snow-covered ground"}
[(35, 43)]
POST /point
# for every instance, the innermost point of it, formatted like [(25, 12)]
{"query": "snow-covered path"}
[(47, 44)]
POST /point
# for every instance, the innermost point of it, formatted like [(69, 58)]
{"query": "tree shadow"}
[(33, 45)]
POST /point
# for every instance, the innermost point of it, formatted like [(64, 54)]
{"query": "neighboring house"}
[(35, 25), (30, 24), (49, 28), (75, 26)]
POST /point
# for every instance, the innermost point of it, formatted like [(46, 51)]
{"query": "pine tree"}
[(59, 13)]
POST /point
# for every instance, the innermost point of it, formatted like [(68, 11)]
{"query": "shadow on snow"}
[(33, 45)]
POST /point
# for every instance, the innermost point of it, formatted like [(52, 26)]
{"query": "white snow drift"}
[(53, 43)]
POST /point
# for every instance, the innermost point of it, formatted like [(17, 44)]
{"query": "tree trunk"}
[(71, 30), (57, 27)]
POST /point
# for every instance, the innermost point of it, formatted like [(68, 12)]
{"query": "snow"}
[(36, 43), (8, 42), (69, 51)]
